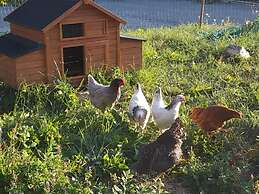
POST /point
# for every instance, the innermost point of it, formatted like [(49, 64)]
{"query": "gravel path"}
[(156, 13)]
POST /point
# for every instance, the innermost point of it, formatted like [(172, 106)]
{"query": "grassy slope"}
[(53, 144)]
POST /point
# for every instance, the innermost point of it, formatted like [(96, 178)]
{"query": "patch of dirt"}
[(175, 187)]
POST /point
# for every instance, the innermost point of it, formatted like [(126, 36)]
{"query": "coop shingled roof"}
[(132, 37), (37, 14), (15, 46)]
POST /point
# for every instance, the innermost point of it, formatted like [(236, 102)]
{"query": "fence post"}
[(202, 12)]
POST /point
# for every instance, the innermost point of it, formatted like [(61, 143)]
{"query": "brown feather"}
[(212, 118)]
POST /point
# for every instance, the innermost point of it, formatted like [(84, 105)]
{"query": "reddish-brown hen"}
[(212, 119)]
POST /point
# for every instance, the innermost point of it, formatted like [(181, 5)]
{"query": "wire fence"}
[(157, 13), (4, 11)]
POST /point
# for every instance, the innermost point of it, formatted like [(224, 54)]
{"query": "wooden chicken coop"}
[(48, 37)]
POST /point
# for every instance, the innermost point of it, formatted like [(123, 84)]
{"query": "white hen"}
[(139, 109), (164, 116)]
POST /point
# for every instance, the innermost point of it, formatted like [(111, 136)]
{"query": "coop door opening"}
[(73, 58)]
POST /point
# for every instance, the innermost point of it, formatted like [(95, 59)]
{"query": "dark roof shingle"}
[(132, 37), (37, 14), (15, 46)]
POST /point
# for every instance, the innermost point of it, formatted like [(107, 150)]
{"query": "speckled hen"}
[(160, 155)]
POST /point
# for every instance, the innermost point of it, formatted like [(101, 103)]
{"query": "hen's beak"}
[(138, 86), (158, 91), (124, 82)]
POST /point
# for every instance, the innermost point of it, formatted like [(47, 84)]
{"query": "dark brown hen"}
[(212, 118), (163, 153)]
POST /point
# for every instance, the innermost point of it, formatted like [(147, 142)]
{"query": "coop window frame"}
[(82, 35)]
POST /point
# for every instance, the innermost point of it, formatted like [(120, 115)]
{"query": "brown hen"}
[(212, 119)]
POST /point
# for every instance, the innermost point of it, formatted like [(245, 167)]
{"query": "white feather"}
[(244, 53), (162, 116), (142, 111)]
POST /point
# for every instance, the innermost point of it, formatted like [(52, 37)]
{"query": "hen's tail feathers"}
[(139, 114), (91, 79), (225, 112), (235, 114)]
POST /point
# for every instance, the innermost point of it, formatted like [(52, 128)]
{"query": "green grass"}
[(51, 143)]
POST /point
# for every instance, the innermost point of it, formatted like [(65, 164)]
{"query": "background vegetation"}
[(50, 143), (12, 2)]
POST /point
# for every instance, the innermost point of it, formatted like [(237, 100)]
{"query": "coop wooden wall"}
[(31, 68), (99, 28), (101, 40), (131, 53), (27, 33), (7, 70)]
